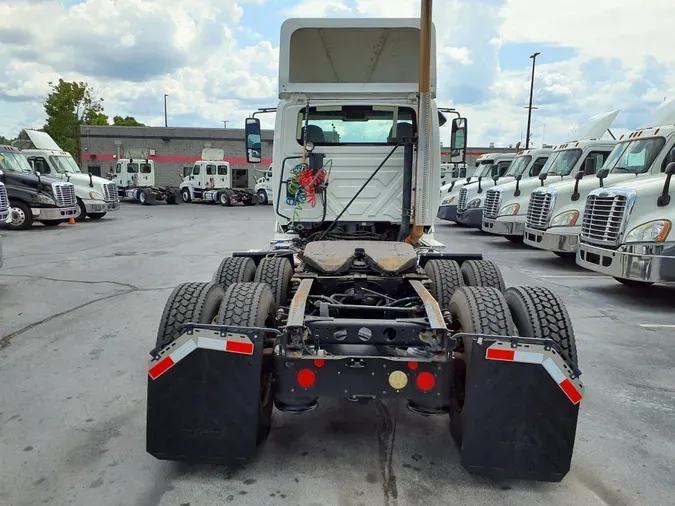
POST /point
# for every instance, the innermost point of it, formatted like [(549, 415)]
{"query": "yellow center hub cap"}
[(398, 380)]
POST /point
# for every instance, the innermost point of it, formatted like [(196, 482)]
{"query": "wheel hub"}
[(18, 216)]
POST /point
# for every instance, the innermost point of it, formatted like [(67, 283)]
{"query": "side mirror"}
[(517, 192), (253, 140), (542, 177), (495, 178), (458, 139), (602, 174), (579, 175), (37, 173), (519, 177), (664, 199), (590, 165)]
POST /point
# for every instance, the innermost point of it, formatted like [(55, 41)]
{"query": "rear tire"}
[(225, 198), (446, 277), (143, 197), (476, 310), (252, 305), (185, 195), (189, 302), (483, 273), (538, 312), (262, 197), (277, 273), (234, 270)]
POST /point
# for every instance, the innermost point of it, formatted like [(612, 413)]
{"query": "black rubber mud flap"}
[(518, 423), (197, 406)]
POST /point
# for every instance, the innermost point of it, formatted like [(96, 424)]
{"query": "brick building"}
[(175, 148), (170, 148)]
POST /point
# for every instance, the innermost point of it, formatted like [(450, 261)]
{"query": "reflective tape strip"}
[(176, 356), (246, 348), (497, 351), (208, 343)]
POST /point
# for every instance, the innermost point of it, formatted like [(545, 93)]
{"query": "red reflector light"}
[(425, 381), (161, 367), (239, 347), (306, 378), (497, 354), (570, 391), (413, 365), (318, 362)]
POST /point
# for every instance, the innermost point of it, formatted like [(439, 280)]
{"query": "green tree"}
[(127, 121), (69, 105)]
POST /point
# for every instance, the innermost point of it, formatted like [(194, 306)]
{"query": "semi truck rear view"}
[(355, 299)]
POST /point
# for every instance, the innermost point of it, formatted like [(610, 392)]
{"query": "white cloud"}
[(617, 56)]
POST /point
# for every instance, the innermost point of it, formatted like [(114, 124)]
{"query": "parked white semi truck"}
[(506, 205), (135, 180), (96, 196), (263, 187), (355, 300), (210, 180), (627, 227), (487, 167), (556, 212)]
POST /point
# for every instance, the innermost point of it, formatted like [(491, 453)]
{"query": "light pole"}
[(529, 109), (166, 120), (225, 122)]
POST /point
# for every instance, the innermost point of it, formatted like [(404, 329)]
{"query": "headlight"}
[(510, 210), (473, 204), (447, 201), (566, 219), (45, 199), (653, 231), (95, 196)]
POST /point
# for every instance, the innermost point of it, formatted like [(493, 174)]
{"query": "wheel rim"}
[(223, 198), (18, 217), (262, 196), (143, 197), (186, 196)]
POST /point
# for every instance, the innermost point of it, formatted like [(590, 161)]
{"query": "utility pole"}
[(166, 119), (225, 122), (529, 109)]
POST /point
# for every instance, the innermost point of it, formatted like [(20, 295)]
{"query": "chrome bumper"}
[(54, 213), (100, 206), (497, 227), (637, 263), (561, 243)]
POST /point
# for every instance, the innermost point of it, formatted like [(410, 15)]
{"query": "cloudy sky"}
[(217, 59)]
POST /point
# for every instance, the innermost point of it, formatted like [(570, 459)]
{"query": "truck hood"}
[(80, 179), (646, 186)]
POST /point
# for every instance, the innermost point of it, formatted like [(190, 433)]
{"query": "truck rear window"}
[(356, 124)]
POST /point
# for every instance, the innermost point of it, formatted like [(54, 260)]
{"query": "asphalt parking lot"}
[(79, 308)]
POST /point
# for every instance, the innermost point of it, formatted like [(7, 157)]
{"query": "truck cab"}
[(96, 196), (263, 187), (32, 196), (506, 205), (210, 180), (340, 119), (135, 180), (488, 167), (556, 224)]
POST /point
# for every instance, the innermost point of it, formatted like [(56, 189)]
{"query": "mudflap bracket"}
[(203, 402)]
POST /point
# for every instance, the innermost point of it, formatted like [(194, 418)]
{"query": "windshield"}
[(484, 168), (518, 166), (14, 162), (64, 164), (635, 156), (561, 163), (356, 124)]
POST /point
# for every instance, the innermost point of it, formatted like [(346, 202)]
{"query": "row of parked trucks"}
[(604, 202)]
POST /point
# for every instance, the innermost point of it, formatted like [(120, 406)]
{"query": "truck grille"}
[(493, 199), (461, 201), (539, 209), (604, 218), (64, 193), (110, 192), (4, 200)]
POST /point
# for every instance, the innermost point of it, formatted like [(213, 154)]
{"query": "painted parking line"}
[(656, 326)]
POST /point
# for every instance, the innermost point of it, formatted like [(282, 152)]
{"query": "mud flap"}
[(203, 401), (520, 411)]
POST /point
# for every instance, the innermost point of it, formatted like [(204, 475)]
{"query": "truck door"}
[(223, 177), (195, 177), (146, 177), (42, 166), (119, 175), (212, 179), (600, 157)]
